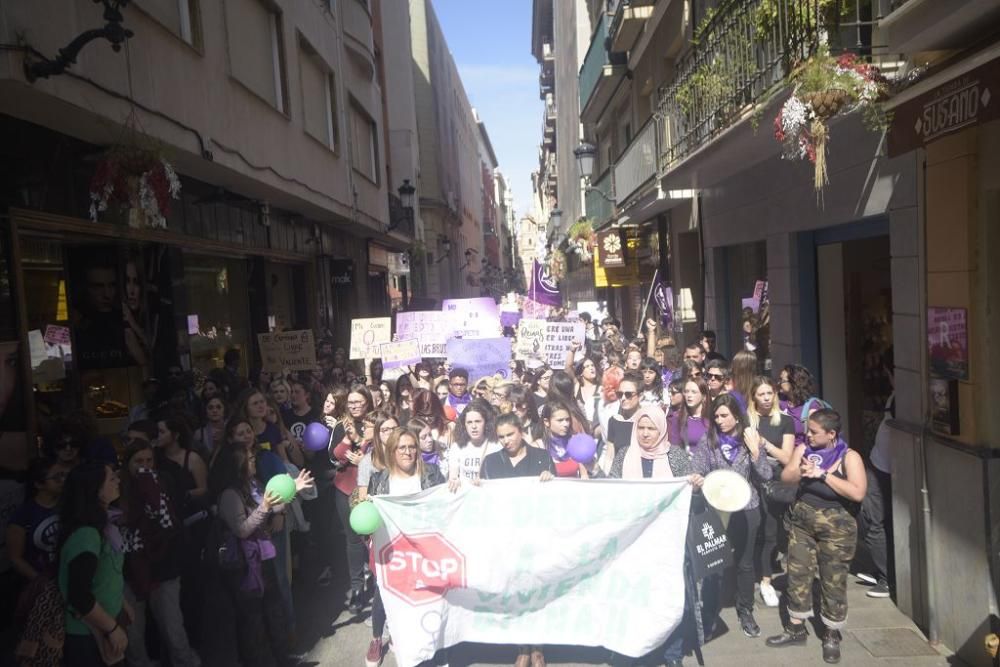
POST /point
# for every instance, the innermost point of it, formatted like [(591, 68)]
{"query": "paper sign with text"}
[(431, 328), (56, 335), (292, 350), (367, 336), (473, 318), (559, 336), (401, 353), (530, 339), (480, 356)]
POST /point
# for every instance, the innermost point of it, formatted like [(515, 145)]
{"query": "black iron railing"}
[(744, 50)]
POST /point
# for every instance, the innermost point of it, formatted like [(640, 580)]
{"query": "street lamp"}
[(555, 217), (406, 192), (585, 154)]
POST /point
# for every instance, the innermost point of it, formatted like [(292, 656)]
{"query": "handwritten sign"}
[(401, 353), (534, 310), (482, 357), (559, 336), (56, 335), (367, 336), (432, 328), (292, 350), (473, 318), (530, 338)]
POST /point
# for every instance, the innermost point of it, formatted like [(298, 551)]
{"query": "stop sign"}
[(421, 568)]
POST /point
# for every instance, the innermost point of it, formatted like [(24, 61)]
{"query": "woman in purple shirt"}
[(691, 422)]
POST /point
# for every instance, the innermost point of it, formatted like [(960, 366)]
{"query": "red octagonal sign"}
[(421, 568)]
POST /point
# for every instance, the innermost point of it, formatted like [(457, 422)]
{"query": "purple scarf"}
[(459, 402), (825, 458), (730, 447), (431, 457), (557, 447)]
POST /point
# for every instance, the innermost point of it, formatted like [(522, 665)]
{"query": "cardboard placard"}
[(291, 350), (559, 336), (473, 318), (480, 356), (432, 328), (367, 336), (530, 339), (401, 353)]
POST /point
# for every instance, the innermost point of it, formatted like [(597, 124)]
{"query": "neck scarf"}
[(632, 466), (557, 446), (431, 457), (730, 446), (459, 401), (827, 457)]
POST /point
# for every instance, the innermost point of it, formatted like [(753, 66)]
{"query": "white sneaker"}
[(768, 595), (867, 578)]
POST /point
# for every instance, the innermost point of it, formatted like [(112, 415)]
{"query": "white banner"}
[(522, 562)]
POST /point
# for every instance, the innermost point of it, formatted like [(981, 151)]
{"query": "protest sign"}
[(367, 336), (56, 335), (287, 350), (559, 336), (480, 356), (431, 327), (595, 563), (534, 310), (530, 339), (401, 353), (473, 318)]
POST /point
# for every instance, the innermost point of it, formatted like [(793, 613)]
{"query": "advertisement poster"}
[(944, 406), (948, 342)]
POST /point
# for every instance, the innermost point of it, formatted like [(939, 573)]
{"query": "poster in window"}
[(948, 342), (97, 306), (944, 406)]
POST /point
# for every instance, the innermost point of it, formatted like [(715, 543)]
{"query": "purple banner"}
[(544, 289)]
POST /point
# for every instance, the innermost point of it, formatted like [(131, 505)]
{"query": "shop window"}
[(217, 310)]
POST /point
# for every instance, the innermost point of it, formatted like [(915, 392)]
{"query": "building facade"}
[(270, 114)]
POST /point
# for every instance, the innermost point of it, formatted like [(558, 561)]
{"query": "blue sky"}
[(491, 44)]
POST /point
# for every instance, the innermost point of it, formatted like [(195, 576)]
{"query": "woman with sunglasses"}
[(716, 377), (522, 403), (690, 424)]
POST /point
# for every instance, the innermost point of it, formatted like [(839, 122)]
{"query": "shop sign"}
[(965, 101), (378, 256), (367, 336), (287, 350), (610, 248), (342, 272)]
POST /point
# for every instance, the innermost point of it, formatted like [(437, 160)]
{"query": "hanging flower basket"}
[(826, 87), (557, 264), (137, 180), (580, 239)]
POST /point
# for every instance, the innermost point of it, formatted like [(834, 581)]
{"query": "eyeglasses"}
[(628, 395)]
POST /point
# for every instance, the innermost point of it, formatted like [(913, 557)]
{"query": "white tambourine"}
[(726, 490)]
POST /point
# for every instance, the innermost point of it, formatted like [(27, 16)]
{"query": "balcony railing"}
[(599, 209), (742, 53), (637, 164), (597, 61)]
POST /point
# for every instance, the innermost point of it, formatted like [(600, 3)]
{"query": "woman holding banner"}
[(650, 455)]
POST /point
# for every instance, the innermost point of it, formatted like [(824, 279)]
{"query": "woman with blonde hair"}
[(743, 372), (777, 437)]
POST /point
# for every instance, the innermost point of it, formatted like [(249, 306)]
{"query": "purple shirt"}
[(694, 430)]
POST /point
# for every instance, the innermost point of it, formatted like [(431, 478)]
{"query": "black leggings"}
[(378, 615), (772, 535), (356, 552), (742, 532), (261, 627)]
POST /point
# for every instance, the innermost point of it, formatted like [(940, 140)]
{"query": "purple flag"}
[(543, 287), (664, 296)]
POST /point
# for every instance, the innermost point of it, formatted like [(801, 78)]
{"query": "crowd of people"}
[(121, 541)]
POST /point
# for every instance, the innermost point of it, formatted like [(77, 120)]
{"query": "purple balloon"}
[(582, 448), (316, 438)]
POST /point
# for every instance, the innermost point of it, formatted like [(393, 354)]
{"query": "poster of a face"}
[(948, 342), (97, 307)]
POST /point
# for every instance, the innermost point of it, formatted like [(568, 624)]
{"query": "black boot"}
[(792, 635), (831, 646)]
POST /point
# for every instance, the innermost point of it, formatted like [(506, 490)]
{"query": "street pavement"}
[(877, 634)]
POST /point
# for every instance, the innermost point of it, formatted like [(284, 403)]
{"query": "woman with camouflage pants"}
[(822, 531)]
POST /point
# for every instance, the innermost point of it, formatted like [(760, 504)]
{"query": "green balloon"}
[(282, 486), (365, 519)]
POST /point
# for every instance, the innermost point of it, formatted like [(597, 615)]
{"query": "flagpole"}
[(652, 286)]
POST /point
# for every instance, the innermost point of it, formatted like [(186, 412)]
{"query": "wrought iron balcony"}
[(742, 54)]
